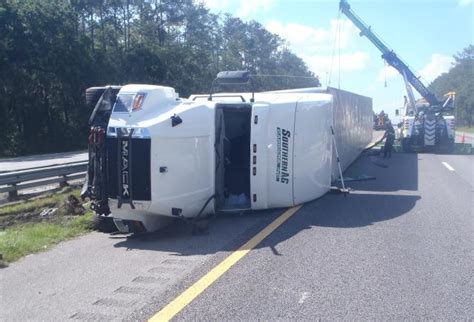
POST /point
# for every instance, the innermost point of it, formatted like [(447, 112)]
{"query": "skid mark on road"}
[(91, 317), (176, 261), (148, 279), (133, 295), (133, 290), (115, 302), (446, 164), (179, 303)]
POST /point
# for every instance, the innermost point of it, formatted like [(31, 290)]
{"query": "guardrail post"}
[(13, 195)]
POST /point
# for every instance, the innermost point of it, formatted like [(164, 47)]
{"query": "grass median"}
[(25, 231)]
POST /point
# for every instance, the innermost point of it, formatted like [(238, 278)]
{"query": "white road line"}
[(450, 168)]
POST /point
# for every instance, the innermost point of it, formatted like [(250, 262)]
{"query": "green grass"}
[(40, 203), (18, 241), (23, 238)]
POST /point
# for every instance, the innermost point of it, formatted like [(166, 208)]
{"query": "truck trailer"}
[(155, 156)]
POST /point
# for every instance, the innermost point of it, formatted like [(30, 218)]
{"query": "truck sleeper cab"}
[(232, 156), (180, 158)]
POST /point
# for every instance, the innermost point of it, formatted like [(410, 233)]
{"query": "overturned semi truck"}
[(154, 156)]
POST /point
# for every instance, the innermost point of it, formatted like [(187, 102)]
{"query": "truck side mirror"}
[(397, 112)]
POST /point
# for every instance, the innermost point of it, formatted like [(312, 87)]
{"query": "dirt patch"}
[(48, 209)]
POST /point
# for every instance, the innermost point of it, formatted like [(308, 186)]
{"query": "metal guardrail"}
[(13, 181)]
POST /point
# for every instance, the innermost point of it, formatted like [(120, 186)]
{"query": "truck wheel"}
[(93, 94), (104, 224)]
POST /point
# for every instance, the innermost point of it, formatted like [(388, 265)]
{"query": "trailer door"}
[(313, 148), (271, 144)]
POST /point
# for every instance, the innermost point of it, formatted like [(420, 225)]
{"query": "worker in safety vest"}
[(382, 118), (389, 140)]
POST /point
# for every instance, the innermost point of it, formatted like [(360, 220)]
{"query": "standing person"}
[(382, 120), (389, 140)]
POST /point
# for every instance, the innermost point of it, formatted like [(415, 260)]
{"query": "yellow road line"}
[(179, 303)]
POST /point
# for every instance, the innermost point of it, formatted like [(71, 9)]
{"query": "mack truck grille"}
[(128, 169)]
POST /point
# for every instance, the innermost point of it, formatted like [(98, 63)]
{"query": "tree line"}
[(52, 50), (459, 79)]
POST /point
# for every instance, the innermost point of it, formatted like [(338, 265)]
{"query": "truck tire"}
[(93, 94), (104, 224)]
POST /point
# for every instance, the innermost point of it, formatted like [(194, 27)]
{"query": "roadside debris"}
[(48, 212), (74, 206), (67, 206)]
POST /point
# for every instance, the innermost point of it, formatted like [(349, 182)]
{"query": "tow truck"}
[(427, 125)]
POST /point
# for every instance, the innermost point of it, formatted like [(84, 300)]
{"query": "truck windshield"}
[(124, 102)]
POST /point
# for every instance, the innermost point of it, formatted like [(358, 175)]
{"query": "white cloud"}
[(355, 61), (439, 64), (465, 2), (324, 49), (306, 39), (250, 7), (241, 8), (387, 73), (322, 65)]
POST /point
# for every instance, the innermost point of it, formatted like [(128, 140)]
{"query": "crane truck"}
[(427, 124)]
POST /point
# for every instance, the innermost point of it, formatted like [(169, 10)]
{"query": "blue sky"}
[(425, 34)]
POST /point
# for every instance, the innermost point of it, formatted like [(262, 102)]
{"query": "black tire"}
[(104, 224), (93, 94)]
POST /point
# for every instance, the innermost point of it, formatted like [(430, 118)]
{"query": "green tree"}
[(459, 79), (52, 50)]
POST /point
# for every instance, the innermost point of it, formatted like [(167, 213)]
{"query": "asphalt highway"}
[(33, 161), (401, 247), (398, 247)]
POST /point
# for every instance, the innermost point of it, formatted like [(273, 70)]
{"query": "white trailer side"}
[(352, 121)]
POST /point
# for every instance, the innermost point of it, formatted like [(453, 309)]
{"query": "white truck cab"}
[(169, 157)]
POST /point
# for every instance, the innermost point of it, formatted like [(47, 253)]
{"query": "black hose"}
[(204, 207)]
